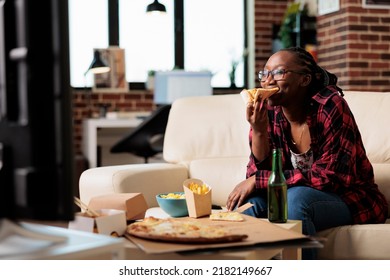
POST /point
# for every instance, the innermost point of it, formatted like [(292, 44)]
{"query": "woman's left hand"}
[(240, 193)]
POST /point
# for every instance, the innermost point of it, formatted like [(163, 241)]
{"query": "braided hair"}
[(320, 77)]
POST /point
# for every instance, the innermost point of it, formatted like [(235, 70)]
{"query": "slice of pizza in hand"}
[(257, 94), (227, 216)]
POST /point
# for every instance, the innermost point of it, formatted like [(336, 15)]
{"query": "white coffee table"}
[(37, 243)]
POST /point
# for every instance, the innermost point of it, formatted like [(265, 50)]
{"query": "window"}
[(213, 37), (88, 29), (147, 38)]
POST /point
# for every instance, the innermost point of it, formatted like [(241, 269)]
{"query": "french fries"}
[(173, 195), (198, 189)]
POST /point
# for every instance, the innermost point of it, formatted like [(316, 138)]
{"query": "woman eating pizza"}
[(330, 179)]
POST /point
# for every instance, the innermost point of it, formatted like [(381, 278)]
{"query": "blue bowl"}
[(174, 207)]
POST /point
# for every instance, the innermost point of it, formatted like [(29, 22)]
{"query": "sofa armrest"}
[(148, 179)]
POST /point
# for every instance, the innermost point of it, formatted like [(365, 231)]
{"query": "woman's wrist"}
[(259, 133), (260, 146)]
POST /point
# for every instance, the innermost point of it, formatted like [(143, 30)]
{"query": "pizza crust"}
[(181, 231)]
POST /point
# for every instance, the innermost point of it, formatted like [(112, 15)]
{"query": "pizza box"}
[(134, 204), (199, 205), (109, 222), (261, 234)]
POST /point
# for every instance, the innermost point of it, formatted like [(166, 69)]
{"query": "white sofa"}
[(207, 138)]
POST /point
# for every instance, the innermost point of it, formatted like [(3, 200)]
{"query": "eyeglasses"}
[(277, 74)]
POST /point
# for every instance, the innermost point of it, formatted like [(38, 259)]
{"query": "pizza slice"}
[(227, 216), (257, 94)]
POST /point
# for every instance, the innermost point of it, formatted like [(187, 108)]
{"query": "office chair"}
[(147, 139)]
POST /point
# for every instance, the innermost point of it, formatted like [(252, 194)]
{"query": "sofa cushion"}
[(370, 110), (206, 127), (366, 242), (222, 174)]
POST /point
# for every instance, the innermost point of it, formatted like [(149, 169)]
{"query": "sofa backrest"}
[(371, 111), (206, 127), (209, 134), (209, 126)]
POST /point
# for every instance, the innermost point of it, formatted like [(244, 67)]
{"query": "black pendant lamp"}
[(98, 65), (156, 7)]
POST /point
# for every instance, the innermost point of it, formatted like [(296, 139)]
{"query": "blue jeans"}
[(316, 209)]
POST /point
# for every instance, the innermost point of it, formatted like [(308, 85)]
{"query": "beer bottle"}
[(277, 190)]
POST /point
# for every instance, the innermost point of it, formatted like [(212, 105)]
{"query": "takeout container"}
[(109, 222), (134, 204), (198, 205)]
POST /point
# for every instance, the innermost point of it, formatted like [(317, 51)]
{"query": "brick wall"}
[(134, 100), (267, 13), (354, 43)]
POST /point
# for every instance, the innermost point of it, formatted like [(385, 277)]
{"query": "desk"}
[(90, 127)]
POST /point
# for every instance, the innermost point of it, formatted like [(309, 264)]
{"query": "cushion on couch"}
[(206, 127), (221, 174), (371, 110), (364, 242)]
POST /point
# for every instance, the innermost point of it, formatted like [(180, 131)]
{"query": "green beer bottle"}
[(277, 190)]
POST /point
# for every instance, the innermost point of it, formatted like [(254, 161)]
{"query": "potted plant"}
[(233, 67), (150, 79), (287, 32)]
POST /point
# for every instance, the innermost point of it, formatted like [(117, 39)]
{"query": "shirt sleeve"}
[(261, 169)]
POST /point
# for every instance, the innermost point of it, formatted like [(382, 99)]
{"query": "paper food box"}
[(198, 197), (134, 204), (108, 222)]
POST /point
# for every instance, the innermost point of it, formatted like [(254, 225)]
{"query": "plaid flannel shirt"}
[(340, 162)]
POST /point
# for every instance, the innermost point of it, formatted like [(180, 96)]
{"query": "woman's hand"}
[(256, 115), (240, 193)]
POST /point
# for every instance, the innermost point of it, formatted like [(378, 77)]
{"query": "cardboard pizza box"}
[(109, 222), (198, 205), (134, 204)]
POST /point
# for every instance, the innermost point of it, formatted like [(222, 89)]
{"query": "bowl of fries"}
[(173, 203)]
